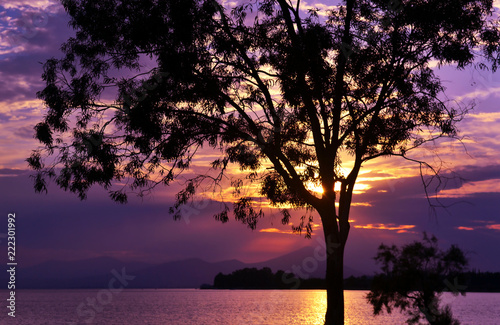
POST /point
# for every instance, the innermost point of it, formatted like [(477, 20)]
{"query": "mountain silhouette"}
[(188, 273)]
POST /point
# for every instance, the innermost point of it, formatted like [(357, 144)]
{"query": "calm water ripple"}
[(211, 307)]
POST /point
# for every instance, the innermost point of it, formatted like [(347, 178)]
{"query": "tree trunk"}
[(336, 230), (334, 281)]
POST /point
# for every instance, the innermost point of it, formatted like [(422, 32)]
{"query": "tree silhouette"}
[(282, 92), (252, 278), (413, 279)]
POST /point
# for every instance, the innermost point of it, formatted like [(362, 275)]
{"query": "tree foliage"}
[(413, 278), (285, 93), (278, 88)]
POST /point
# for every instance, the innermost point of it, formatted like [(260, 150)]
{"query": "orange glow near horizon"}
[(358, 188)]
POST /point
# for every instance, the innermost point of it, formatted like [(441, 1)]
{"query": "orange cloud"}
[(276, 231), (363, 204), (494, 227), (465, 228), (389, 226)]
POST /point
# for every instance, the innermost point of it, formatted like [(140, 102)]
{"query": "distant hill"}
[(79, 268), (306, 259), (189, 273), (88, 273)]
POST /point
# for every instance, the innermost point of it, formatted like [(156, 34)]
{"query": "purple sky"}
[(390, 207)]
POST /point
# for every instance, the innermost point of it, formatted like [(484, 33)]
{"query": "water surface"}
[(211, 307)]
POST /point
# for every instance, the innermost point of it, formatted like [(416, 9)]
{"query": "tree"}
[(413, 279), (284, 94), (252, 278)]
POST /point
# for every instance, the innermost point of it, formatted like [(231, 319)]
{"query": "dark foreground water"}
[(211, 307)]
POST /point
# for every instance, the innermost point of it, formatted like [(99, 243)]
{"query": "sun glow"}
[(358, 188)]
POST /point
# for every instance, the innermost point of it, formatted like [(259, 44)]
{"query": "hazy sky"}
[(390, 205)]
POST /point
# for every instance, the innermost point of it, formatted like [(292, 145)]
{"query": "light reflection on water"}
[(211, 307)]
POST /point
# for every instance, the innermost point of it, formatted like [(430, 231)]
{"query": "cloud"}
[(29, 28), (38, 4), (470, 188), (25, 132), (486, 117), (18, 88), (4, 117), (364, 204), (465, 228), (21, 70), (276, 231), (470, 85), (315, 227), (489, 227), (390, 226), (323, 7), (493, 227)]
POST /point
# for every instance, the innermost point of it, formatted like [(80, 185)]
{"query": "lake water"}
[(211, 307)]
